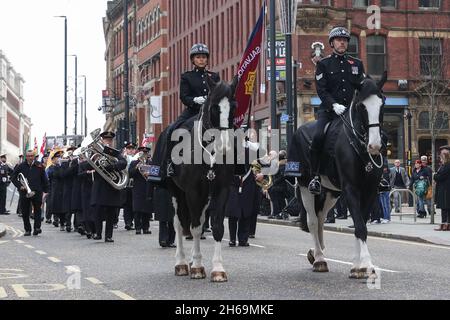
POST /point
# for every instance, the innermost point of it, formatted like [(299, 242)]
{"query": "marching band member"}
[(75, 204), (130, 152), (107, 199), (31, 173), (68, 175), (142, 203), (86, 174), (55, 176)]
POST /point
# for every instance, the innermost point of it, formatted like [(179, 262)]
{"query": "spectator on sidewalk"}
[(442, 178), (399, 180), (429, 174), (419, 180), (384, 190)]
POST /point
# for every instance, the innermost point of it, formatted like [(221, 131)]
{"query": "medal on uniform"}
[(355, 70)]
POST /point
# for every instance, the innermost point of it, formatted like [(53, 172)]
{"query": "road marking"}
[(94, 280), (42, 253), (251, 245), (122, 295), (350, 264), (429, 245), (53, 259), (28, 246), (73, 269), (22, 292), (2, 242), (3, 293), (19, 241)]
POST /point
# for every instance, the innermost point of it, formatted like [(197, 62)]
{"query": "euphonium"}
[(267, 182), (24, 182), (93, 151)]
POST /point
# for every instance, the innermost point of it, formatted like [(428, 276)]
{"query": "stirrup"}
[(315, 187)]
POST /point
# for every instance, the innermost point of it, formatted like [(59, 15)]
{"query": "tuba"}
[(93, 150), (267, 182), (24, 182)]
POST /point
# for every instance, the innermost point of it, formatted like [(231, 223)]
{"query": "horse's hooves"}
[(310, 257), (217, 276), (353, 274), (362, 273), (320, 266), (182, 270), (198, 273)]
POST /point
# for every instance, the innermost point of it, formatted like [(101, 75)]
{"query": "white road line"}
[(19, 241), (122, 295), (2, 242), (251, 245), (53, 259), (28, 246), (42, 253), (73, 269), (94, 280), (437, 246), (350, 264)]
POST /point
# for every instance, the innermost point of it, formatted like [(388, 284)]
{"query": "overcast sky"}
[(33, 41)]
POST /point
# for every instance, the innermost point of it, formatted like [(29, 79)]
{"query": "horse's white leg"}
[(318, 259), (197, 268), (330, 202), (181, 267), (218, 273), (356, 260), (366, 267)]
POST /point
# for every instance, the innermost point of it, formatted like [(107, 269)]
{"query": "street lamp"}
[(65, 77), (288, 20), (76, 93), (83, 107)]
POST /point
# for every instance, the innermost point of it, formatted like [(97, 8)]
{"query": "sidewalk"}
[(405, 229)]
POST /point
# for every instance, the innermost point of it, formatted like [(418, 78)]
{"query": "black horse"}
[(351, 164), (204, 185)]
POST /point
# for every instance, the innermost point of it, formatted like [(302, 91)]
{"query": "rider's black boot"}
[(315, 187)]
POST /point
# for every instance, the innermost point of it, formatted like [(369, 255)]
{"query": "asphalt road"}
[(58, 265)]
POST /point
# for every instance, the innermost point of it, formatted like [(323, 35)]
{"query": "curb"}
[(2, 230), (351, 231)]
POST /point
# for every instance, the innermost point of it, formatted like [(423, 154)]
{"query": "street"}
[(58, 265)]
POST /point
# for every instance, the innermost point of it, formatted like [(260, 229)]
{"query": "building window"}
[(376, 55), (429, 3), (389, 3), (360, 3), (440, 123), (430, 57), (353, 46)]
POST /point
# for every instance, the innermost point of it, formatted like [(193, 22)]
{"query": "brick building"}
[(148, 74), (15, 126), (410, 34)]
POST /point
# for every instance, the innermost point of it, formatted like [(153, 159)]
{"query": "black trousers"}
[(142, 221), (26, 204), (278, 201), (3, 191), (48, 214), (166, 232), (239, 226), (445, 215), (109, 214), (68, 219), (319, 139)]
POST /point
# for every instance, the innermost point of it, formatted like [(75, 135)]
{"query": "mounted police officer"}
[(336, 76), (193, 93)]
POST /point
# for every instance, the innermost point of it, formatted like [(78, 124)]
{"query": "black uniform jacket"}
[(35, 174), (193, 84)]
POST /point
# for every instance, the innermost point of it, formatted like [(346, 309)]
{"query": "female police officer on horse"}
[(336, 76), (193, 93)]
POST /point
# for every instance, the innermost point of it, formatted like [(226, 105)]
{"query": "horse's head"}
[(370, 105), (219, 108)]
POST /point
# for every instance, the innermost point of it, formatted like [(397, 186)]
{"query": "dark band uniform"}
[(86, 190), (5, 172), (38, 182)]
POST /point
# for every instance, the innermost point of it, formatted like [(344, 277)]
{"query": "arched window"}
[(424, 120), (440, 123)]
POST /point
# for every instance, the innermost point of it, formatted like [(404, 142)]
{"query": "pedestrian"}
[(107, 199), (442, 178), (419, 180), (336, 79), (429, 174), (384, 192), (399, 180), (31, 172)]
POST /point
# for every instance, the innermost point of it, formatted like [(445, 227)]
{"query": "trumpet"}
[(267, 182), (24, 182)]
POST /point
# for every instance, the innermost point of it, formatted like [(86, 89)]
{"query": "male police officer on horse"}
[(336, 76), (193, 93)]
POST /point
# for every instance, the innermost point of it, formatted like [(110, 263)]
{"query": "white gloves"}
[(339, 109), (200, 100)]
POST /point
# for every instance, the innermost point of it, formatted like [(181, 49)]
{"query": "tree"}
[(433, 86)]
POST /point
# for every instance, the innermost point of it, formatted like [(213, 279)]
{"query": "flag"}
[(27, 146), (43, 147), (247, 70), (148, 139), (35, 150)]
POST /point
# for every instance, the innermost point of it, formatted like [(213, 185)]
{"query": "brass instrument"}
[(93, 150), (144, 169), (267, 182), (24, 182)]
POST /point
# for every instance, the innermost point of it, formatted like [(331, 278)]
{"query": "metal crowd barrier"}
[(414, 196)]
